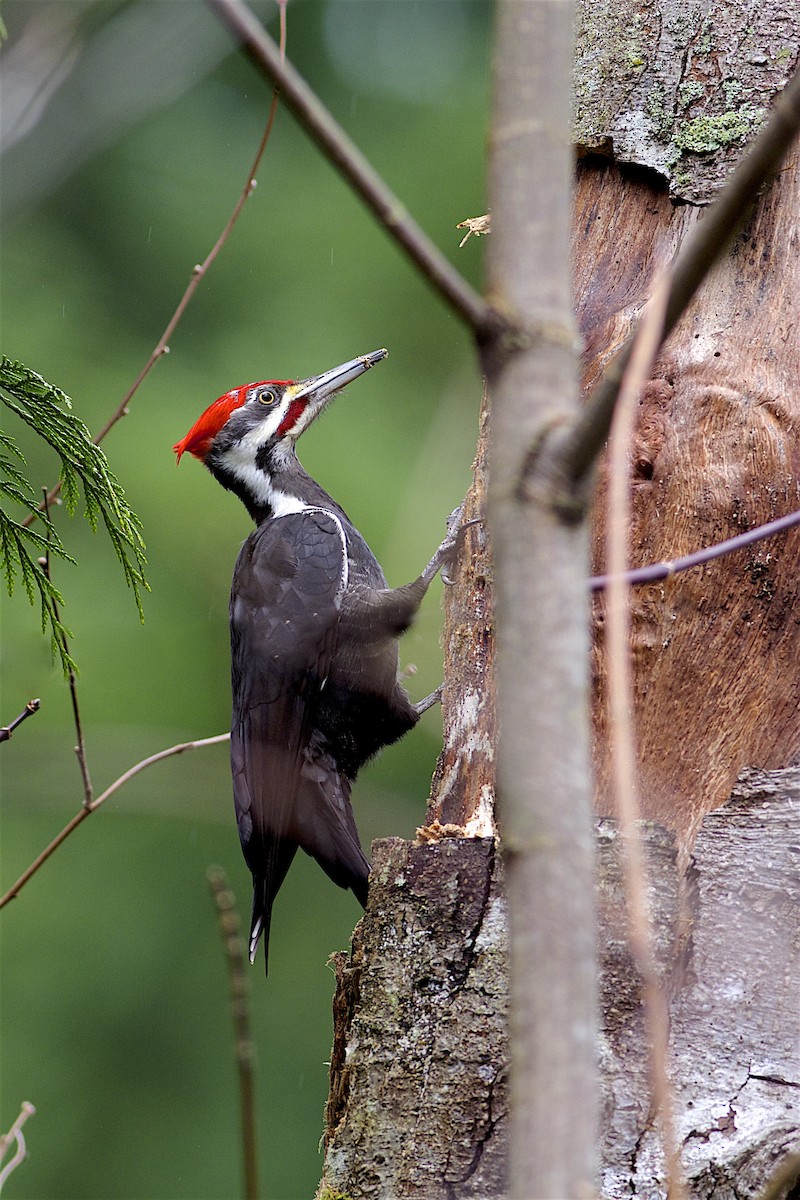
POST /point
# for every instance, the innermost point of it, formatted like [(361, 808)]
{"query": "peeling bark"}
[(728, 939)]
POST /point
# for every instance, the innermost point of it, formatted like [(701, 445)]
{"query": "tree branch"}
[(623, 750), (661, 570), (198, 272), (353, 167), (88, 809), (30, 708), (700, 251), (230, 928), (15, 1134), (540, 567)]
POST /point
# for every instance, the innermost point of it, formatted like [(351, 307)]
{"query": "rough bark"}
[(679, 88), (418, 1078), (421, 1011), (728, 939)]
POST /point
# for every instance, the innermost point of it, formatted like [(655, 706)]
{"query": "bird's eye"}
[(266, 396)]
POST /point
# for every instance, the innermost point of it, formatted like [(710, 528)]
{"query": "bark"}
[(729, 946), (679, 88), (418, 1080), (419, 1091)]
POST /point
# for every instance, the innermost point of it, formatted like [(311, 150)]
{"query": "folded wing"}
[(286, 598)]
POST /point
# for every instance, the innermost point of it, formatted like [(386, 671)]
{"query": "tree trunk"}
[(419, 1093), (716, 448)]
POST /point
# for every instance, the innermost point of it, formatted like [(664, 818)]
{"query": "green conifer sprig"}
[(46, 409)]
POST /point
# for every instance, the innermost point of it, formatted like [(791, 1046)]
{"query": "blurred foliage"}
[(38, 404), (128, 129)]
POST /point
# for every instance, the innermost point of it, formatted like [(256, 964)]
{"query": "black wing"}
[(285, 602)]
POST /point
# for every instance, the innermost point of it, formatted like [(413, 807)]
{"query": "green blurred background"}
[(128, 129)]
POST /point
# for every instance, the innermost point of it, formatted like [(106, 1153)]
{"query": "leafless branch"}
[(623, 752), (30, 708), (540, 562), (15, 1134), (354, 168), (88, 809), (80, 749), (230, 927), (198, 273), (695, 259), (661, 570)]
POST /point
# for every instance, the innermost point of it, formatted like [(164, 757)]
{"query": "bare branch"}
[(697, 256), (80, 749), (15, 1135), (230, 928), (198, 272), (88, 809), (540, 566), (30, 708), (623, 752), (353, 167), (661, 570)]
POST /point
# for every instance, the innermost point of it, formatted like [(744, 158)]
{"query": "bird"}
[(314, 639)]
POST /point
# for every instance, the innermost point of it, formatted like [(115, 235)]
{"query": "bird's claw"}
[(451, 546), (434, 698), (456, 536)]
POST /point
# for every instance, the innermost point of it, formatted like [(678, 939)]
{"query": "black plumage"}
[(314, 629)]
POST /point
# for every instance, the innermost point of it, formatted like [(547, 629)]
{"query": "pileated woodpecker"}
[(314, 629)]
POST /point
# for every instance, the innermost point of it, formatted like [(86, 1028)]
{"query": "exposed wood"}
[(463, 788), (714, 649)]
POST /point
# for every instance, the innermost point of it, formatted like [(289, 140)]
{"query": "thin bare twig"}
[(354, 168), (198, 272), (15, 1134), (88, 809), (661, 570), (701, 249), (80, 749), (230, 927), (30, 708), (623, 754)]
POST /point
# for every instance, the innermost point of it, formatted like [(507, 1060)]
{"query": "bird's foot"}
[(450, 548), (435, 698)]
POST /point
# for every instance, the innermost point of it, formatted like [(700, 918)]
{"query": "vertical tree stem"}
[(542, 616)]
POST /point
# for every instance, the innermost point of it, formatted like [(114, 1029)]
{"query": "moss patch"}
[(702, 135)]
